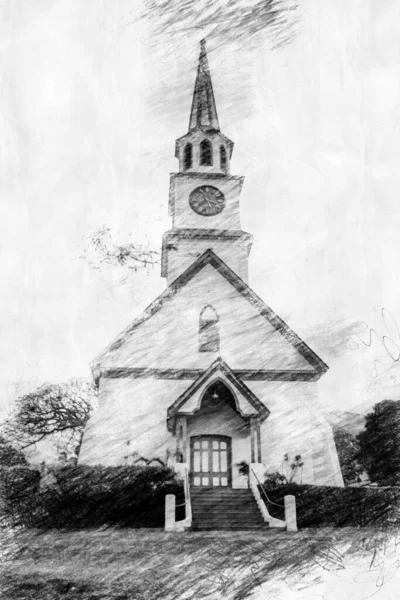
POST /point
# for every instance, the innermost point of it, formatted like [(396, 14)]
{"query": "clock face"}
[(207, 200)]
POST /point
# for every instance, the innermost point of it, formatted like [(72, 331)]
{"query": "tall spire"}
[(204, 112)]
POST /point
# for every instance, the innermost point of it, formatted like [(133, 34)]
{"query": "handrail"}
[(187, 503), (187, 495), (186, 489), (264, 492)]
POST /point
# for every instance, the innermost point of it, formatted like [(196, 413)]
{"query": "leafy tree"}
[(56, 411), (289, 468), (10, 456), (380, 443)]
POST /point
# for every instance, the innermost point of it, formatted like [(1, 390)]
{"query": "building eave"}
[(192, 374)]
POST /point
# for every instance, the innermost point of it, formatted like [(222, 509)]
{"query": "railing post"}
[(290, 513), (170, 512)]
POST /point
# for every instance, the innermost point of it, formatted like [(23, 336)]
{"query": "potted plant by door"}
[(244, 470)]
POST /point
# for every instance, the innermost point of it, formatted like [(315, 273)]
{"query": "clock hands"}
[(206, 198)]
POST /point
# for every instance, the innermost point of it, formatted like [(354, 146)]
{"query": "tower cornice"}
[(172, 237)]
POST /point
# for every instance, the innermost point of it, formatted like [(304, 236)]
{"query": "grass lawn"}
[(146, 564)]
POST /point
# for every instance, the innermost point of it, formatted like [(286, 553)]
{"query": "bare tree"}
[(56, 411), (101, 250)]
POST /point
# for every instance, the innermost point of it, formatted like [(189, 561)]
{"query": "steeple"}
[(204, 149), (204, 112)]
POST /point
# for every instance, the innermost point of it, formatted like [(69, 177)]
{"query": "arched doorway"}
[(213, 427)]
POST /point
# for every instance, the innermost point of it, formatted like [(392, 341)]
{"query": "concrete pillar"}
[(170, 512), (252, 440), (259, 458), (290, 513), (178, 441), (184, 440)]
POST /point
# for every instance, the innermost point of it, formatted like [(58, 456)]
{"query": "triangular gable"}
[(250, 406), (209, 258)]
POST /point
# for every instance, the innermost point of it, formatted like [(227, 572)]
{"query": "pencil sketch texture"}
[(209, 375)]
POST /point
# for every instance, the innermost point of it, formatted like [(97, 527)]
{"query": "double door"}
[(210, 457)]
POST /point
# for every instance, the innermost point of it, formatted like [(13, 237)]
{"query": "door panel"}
[(210, 460)]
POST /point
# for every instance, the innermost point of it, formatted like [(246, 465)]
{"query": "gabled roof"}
[(209, 258), (219, 366), (203, 114)]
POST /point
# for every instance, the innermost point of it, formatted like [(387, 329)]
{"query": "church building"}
[(209, 375)]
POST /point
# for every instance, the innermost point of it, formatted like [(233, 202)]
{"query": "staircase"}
[(225, 508)]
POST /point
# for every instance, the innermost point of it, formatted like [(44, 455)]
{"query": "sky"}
[(93, 96)]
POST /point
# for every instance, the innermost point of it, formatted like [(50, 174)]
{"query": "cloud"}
[(224, 21)]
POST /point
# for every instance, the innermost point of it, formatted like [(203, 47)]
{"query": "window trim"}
[(209, 335), (186, 165), (205, 143), (223, 158)]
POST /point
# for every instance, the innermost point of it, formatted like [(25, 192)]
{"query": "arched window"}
[(187, 157), (222, 154), (179, 445), (208, 330), (206, 153)]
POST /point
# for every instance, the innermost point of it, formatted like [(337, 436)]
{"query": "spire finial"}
[(204, 112)]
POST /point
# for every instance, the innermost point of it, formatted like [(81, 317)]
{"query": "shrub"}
[(84, 496), (10, 456), (18, 488), (320, 506), (275, 480), (380, 443)]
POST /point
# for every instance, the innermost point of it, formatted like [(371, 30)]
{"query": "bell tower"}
[(204, 199)]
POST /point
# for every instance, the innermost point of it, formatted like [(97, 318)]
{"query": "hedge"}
[(320, 506), (83, 496)]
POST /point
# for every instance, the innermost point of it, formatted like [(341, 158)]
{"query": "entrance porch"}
[(217, 427)]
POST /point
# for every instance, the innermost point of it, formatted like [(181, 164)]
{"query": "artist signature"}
[(388, 342)]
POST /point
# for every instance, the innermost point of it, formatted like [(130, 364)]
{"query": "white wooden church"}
[(209, 375)]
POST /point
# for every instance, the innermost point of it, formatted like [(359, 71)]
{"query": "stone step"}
[(252, 527), (228, 523), (230, 518), (225, 508), (219, 491), (222, 496)]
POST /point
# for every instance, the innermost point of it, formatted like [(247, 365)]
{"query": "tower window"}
[(187, 157), (206, 153), (208, 330), (222, 154)]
